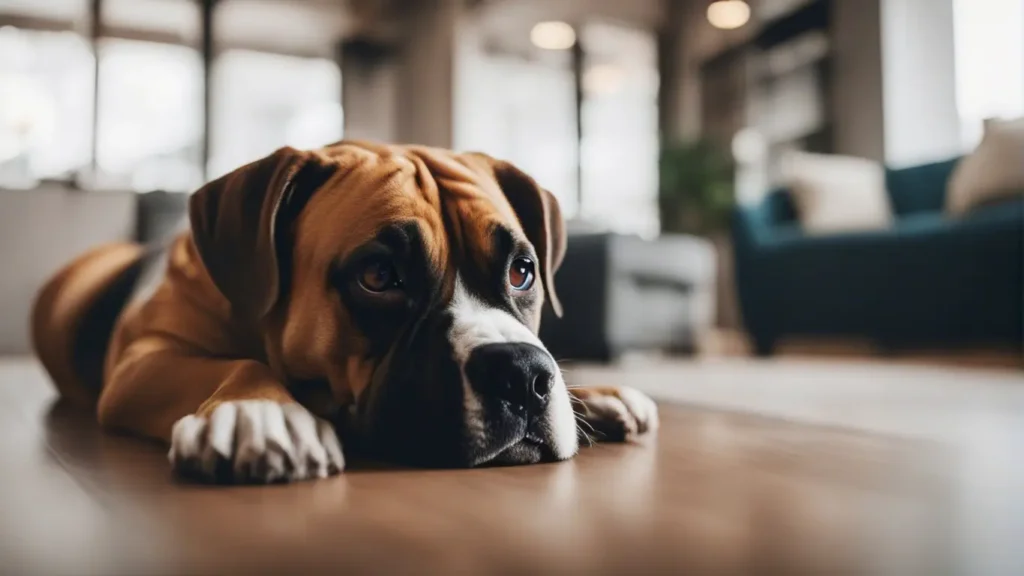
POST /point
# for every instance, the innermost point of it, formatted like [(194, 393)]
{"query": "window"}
[(620, 128), (150, 116), (989, 37), (170, 22), (46, 81), (523, 112), (519, 104), (143, 115), (264, 101)]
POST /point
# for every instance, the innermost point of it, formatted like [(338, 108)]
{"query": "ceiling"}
[(297, 26), (313, 27), (505, 25)]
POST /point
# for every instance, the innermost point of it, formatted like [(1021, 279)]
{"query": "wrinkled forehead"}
[(368, 192), (478, 219), (454, 200)]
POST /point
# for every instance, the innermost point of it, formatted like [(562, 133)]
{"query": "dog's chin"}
[(509, 438), (484, 433), (526, 450)]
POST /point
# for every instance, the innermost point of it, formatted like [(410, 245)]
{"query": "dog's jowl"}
[(359, 296)]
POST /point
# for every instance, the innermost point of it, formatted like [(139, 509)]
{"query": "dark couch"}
[(929, 281)]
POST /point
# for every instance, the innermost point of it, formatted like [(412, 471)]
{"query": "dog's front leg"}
[(614, 414), (226, 420)]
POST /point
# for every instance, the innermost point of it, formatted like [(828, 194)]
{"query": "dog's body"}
[(392, 292)]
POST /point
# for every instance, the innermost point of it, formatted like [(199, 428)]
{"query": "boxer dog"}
[(387, 294)]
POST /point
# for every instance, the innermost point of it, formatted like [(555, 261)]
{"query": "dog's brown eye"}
[(520, 274), (379, 276)]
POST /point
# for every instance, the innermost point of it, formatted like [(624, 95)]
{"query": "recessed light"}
[(553, 35), (728, 14)]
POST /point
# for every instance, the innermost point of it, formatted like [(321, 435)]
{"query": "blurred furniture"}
[(929, 280), (159, 215), (43, 229), (993, 172), (623, 293), (776, 78)]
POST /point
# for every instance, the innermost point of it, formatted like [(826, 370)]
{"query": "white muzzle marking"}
[(475, 324)]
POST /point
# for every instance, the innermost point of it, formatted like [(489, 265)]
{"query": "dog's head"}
[(407, 281)]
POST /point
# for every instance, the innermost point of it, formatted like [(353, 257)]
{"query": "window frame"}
[(95, 30)]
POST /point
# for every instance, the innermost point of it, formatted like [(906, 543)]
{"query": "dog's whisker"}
[(575, 399), (583, 433), (588, 426), (582, 420)]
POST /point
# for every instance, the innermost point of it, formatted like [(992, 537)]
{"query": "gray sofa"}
[(623, 293)]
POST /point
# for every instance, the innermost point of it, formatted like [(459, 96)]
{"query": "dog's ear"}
[(541, 218), (237, 219)]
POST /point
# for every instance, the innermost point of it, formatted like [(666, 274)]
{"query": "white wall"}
[(989, 42), (922, 121)]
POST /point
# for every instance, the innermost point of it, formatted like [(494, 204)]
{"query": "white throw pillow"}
[(837, 193), (994, 171)]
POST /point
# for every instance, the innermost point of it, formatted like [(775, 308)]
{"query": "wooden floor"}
[(716, 492)]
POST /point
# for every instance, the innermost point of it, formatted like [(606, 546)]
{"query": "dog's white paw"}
[(255, 441), (617, 413)]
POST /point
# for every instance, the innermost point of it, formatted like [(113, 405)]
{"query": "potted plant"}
[(695, 194)]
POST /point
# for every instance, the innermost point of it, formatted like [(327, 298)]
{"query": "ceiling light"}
[(728, 14), (553, 35)]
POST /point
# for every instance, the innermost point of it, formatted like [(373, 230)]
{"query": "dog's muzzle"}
[(474, 386), (515, 402)]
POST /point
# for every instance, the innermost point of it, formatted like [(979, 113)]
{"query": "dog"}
[(387, 295)]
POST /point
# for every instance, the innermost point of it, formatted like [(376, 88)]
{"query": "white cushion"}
[(837, 193), (994, 171)]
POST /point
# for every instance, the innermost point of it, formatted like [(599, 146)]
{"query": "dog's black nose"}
[(521, 374)]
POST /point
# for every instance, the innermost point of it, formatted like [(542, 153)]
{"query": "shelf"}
[(809, 17), (814, 15), (789, 57), (810, 49), (816, 139)]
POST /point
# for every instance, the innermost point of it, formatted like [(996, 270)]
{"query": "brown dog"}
[(392, 293)]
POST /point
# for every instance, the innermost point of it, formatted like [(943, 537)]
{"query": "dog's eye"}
[(520, 274), (379, 276)]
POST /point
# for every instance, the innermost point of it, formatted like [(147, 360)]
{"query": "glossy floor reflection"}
[(714, 493)]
